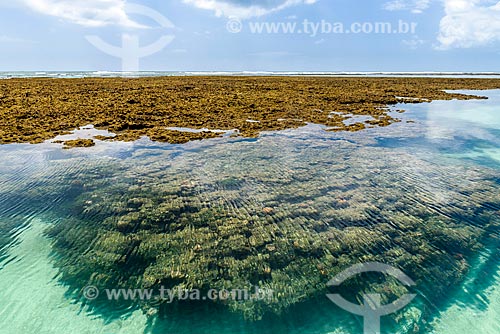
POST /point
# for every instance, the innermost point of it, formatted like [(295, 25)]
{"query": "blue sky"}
[(451, 35)]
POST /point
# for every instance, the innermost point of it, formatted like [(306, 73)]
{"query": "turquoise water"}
[(288, 210)]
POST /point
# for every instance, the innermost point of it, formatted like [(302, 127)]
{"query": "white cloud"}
[(272, 54), (91, 13), (245, 8), (415, 6), (466, 23), (469, 23), (414, 43), (9, 39)]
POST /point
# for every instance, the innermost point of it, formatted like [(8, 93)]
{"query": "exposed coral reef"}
[(78, 143), (34, 110)]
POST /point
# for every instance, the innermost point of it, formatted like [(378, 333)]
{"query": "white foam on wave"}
[(106, 74)]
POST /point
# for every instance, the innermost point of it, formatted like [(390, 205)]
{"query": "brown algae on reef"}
[(68, 144), (34, 110)]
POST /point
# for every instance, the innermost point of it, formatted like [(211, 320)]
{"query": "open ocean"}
[(111, 74)]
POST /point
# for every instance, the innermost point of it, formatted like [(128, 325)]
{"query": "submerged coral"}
[(255, 216)]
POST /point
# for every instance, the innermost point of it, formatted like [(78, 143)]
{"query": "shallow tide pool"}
[(285, 212)]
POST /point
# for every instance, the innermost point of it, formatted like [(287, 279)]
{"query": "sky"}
[(250, 35)]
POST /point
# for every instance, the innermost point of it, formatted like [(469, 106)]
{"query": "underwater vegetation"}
[(242, 217), (9, 226)]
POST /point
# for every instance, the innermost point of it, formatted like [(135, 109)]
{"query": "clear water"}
[(443, 165)]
